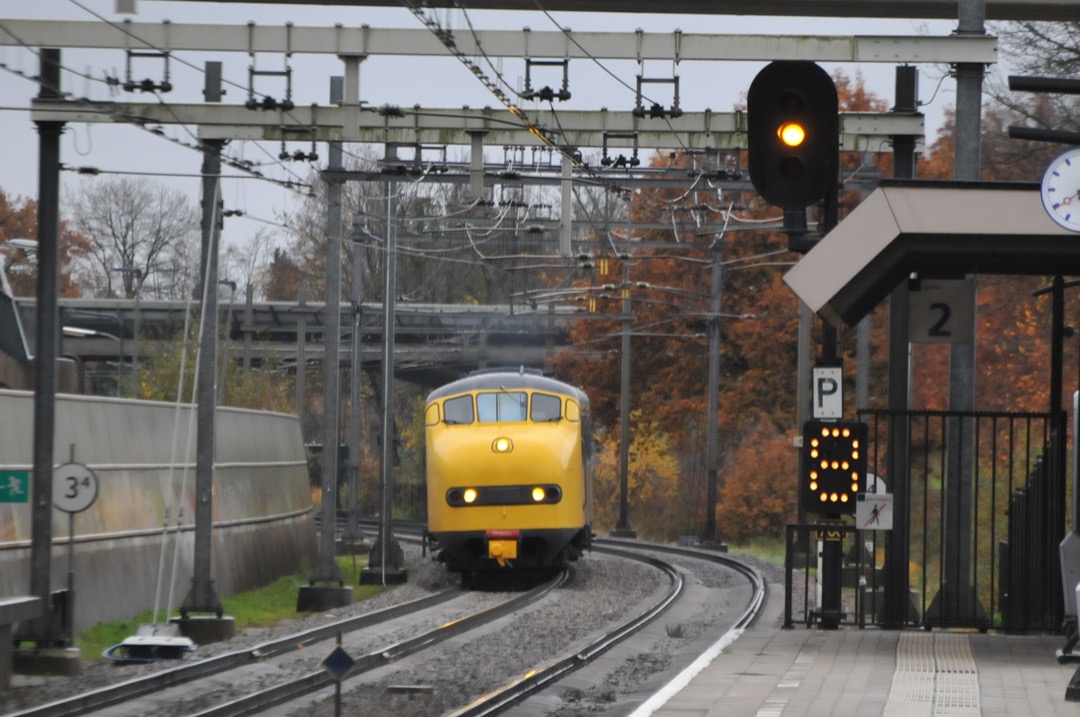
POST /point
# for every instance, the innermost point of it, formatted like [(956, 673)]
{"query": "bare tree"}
[(248, 263), (1040, 49), (143, 238)]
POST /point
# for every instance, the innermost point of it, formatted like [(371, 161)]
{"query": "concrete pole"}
[(567, 208), (327, 570), (45, 630), (712, 437), (202, 597), (387, 562), (346, 92), (356, 394), (301, 350), (956, 602), (389, 301), (622, 528)]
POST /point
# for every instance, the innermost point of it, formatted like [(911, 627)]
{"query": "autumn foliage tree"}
[(18, 220), (667, 283)]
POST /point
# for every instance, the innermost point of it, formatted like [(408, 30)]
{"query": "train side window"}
[(546, 407), (573, 410), (501, 407), (431, 415), (458, 410)]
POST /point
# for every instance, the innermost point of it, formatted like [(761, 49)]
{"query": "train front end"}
[(508, 479)]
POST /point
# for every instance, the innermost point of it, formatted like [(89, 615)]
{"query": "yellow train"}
[(509, 472)]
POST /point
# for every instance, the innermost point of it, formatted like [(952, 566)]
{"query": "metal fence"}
[(979, 513)]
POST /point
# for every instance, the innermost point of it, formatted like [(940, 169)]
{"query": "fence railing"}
[(979, 513)]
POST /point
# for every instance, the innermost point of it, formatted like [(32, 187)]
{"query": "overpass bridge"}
[(434, 343)]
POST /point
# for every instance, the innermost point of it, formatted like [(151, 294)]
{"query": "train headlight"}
[(502, 445), (469, 496), (538, 494)]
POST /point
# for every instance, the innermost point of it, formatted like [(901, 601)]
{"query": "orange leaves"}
[(759, 494)]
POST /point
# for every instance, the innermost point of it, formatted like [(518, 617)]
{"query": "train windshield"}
[(502, 407), (546, 407), (459, 410)]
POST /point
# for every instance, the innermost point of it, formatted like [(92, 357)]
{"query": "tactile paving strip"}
[(935, 676)]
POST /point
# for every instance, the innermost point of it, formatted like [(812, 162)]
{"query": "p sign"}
[(828, 392)]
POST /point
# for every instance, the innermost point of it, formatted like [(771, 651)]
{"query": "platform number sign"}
[(75, 487), (833, 470), (941, 311)]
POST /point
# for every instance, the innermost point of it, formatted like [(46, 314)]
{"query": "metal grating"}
[(935, 676)]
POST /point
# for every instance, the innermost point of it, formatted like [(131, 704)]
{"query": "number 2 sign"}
[(941, 312)]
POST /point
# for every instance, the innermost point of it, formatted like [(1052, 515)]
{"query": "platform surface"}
[(810, 672)]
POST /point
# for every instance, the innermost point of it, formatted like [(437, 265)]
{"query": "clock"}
[(1061, 189)]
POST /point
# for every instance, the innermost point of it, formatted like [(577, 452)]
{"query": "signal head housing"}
[(793, 133)]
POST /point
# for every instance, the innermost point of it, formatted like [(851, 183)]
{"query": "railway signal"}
[(833, 467), (793, 133)]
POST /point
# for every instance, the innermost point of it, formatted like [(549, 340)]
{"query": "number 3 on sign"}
[(75, 487), (941, 312)]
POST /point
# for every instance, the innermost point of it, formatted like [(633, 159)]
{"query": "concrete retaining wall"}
[(141, 524)]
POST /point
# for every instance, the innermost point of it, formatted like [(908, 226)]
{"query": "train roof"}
[(506, 381)]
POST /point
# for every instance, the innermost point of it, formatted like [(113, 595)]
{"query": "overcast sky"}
[(400, 81)]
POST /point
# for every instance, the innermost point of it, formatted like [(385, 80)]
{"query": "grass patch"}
[(261, 607), (771, 550)]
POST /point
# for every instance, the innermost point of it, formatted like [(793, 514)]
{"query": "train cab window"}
[(459, 410), (573, 411), (546, 407), (501, 407)]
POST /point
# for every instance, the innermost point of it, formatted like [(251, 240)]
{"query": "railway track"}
[(259, 701), (194, 670), (544, 676), (111, 700)]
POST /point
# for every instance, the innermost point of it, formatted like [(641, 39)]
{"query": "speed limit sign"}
[(74, 487)]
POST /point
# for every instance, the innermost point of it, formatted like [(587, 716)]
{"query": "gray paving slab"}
[(809, 672)]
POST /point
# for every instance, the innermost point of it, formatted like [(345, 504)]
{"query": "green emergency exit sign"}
[(14, 486)]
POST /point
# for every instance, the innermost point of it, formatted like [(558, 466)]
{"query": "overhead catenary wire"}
[(543, 134), (570, 36), (120, 117)]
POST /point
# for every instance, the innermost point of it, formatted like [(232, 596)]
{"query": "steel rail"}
[(759, 594), (510, 694), (513, 692), (293, 689), (197, 669)]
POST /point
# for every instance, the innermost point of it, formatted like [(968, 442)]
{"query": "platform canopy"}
[(935, 230)]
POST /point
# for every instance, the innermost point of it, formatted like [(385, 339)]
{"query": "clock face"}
[(1061, 189)]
